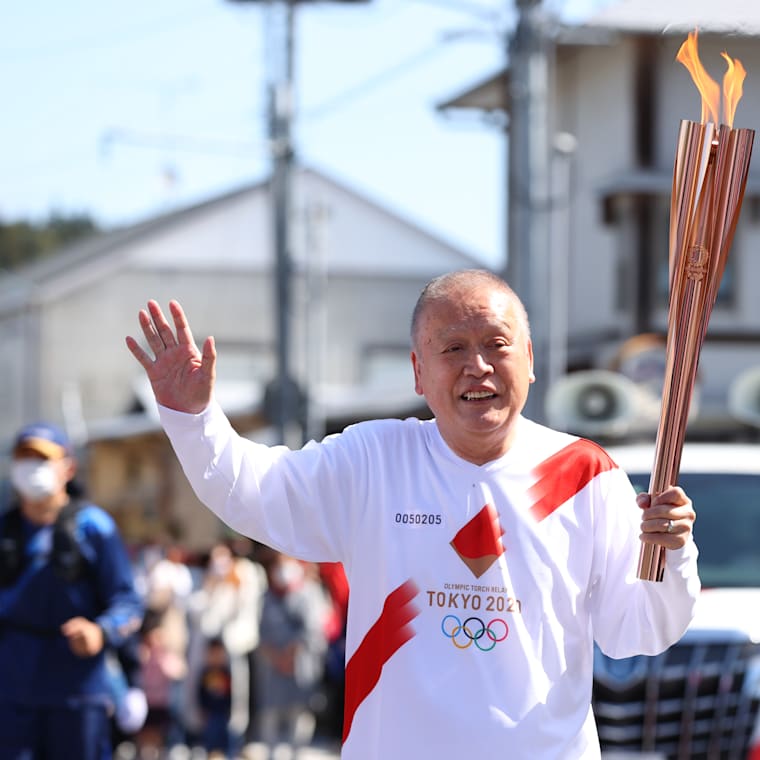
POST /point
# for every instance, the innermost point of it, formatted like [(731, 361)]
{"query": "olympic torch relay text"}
[(475, 598)]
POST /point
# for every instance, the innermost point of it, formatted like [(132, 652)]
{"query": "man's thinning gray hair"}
[(441, 287)]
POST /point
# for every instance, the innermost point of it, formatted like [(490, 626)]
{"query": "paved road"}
[(252, 752), (308, 753)]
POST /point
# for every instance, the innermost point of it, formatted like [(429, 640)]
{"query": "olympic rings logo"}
[(473, 631)]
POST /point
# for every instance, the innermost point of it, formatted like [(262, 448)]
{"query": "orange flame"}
[(733, 81), (708, 88)]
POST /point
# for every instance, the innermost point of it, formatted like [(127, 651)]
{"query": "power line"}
[(100, 39), (168, 141), (463, 6), (196, 144), (374, 82), (386, 76)]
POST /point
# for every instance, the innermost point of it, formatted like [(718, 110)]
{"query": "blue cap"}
[(43, 438)]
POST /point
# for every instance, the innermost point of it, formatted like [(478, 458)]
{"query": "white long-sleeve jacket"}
[(476, 591)]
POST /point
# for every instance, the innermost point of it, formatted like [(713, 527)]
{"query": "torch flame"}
[(733, 80), (708, 88)]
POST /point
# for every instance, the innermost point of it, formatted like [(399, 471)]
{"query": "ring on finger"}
[(671, 526)]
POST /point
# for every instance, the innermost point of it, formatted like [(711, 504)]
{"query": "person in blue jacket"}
[(66, 595)]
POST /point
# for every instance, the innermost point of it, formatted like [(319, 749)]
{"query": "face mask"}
[(34, 479)]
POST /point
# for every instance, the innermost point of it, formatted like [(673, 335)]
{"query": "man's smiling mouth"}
[(477, 395)]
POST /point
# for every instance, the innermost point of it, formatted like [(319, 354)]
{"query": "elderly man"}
[(66, 593), (485, 553)]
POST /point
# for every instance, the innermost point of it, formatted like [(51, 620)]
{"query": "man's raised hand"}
[(182, 377)]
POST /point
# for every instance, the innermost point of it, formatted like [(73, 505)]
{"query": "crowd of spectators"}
[(240, 655)]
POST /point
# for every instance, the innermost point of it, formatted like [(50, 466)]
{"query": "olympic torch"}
[(709, 178)]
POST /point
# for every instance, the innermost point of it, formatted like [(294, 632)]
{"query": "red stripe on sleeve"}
[(384, 638), (564, 474)]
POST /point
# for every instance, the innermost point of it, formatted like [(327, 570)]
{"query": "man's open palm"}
[(182, 377)]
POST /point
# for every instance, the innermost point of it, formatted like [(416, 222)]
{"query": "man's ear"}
[(417, 381), (531, 373)]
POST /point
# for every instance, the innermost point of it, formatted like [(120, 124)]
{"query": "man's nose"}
[(478, 364)]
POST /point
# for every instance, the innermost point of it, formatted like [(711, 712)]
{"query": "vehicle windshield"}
[(727, 526)]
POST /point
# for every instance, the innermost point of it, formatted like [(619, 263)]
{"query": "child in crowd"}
[(161, 668), (215, 699)]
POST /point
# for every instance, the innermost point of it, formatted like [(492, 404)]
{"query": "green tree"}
[(23, 242)]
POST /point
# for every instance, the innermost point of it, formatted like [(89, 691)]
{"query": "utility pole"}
[(529, 185), (282, 398), (284, 401), (285, 394)]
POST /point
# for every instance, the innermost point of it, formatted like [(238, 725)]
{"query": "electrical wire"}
[(87, 44), (372, 83), (475, 10), (186, 143)]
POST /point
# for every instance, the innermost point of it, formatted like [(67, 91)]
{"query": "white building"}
[(616, 98)]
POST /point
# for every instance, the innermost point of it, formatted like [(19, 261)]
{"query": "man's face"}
[(473, 363), (41, 483)]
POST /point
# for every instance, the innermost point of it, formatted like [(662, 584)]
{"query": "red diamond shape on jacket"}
[(478, 544)]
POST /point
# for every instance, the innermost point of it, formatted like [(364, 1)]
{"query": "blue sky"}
[(124, 111)]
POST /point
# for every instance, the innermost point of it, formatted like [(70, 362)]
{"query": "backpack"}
[(66, 556)]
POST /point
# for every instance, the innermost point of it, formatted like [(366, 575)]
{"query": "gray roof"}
[(740, 17), (108, 248)]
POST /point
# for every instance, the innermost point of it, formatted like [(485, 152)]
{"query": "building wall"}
[(679, 99), (594, 104), (82, 333), (14, 358)]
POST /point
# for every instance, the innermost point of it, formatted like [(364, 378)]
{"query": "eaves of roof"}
[(491, 95), (337, 404), (75, 262), (652, 182), (618, 20), (102, 253), (677, 17)]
